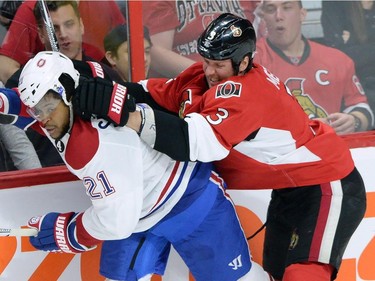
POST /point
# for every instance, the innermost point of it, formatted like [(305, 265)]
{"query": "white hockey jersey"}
[(131, 186)]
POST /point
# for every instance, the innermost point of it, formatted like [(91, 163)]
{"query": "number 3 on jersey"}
[(221, 115), (98, 188)]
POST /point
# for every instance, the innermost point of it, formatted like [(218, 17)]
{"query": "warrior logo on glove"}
[(117, 102)]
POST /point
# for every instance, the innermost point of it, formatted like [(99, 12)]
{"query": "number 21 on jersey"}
[(99, 187)]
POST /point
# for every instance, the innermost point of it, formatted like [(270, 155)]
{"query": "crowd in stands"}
[(333, 80)]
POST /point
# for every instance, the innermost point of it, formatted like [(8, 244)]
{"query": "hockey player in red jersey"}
[(233, 111)]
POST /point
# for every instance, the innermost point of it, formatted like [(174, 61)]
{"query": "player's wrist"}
[(135, 120), (147, 128), (73, 242)]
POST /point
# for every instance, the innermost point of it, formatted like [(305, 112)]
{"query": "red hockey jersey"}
[(255, 129), (322, 86)]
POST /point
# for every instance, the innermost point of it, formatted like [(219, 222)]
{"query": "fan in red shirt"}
[(323, 79)]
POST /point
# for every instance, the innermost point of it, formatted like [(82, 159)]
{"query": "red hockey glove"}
[(104, 99), (56, 233)]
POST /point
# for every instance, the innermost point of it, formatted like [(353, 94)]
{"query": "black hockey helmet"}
[(228, 37)]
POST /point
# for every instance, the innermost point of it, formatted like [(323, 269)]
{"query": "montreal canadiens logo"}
[(41, 62), (228, 89), (34, 220)]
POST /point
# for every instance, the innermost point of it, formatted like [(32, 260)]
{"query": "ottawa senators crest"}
[(312, 109), (228, 89), (236, 31)]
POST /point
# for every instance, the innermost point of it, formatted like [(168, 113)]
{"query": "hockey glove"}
[(12, 111), (103, 99), (56, 233)]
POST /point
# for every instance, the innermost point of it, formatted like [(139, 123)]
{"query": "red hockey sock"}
[(308, 271)]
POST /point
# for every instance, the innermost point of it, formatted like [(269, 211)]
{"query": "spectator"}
[(17, 145), (69, 29), (68, 26), (22, 41), (7, 11), (140, 207), (117, 50), (175, 26), (238, 113), (326, 85), (16, 150), (350, 27), (348, 23)]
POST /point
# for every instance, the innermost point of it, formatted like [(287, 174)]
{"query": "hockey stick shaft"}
[(18, 232), (49, 25)]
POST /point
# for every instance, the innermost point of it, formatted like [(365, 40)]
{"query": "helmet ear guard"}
[(68, 83), (228, 37), (47, 71)]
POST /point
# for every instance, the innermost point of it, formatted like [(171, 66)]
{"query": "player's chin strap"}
[(71, 117)]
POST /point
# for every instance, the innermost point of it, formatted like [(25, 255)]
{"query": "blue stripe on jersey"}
[(182, 173)]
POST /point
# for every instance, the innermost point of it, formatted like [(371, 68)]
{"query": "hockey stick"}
[(18, 232), (49, 25)]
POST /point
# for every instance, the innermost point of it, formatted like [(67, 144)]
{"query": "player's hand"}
[(12, 111), (56, 233), (103, 99)]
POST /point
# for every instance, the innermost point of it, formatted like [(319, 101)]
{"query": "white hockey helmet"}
[(47, 71)]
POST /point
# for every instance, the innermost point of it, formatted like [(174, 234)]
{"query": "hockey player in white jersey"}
[(142, 201)]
